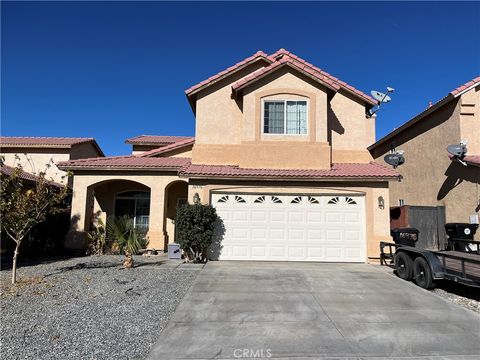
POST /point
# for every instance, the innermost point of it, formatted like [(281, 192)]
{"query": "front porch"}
[(149, 199)]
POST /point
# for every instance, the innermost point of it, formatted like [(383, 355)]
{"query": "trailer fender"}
[(432, 260)]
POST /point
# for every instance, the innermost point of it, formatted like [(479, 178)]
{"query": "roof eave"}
[(302, 179), (117, 168), (189, 94), (293, 66), (413, 121)]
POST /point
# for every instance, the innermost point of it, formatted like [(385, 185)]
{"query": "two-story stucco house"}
[(280, 149), (35, 153), (430, 176)]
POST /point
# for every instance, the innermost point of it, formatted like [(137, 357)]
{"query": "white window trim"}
[(285, 117)]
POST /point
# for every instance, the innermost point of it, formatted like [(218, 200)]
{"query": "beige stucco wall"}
[(86, 186), (430, 178), (229, 131), (34, 160), (470, 119), (83, 151), (377, 220)]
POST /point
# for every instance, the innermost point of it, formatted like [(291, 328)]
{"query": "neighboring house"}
[(280, 150), (34, 153), (430, 176)]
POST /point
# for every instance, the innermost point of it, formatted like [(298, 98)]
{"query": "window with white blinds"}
[(285, 117)]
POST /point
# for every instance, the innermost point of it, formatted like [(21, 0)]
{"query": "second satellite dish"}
[(458, 151), (380, 97), (395, 159)]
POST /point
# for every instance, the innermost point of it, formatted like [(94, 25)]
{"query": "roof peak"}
[(275, 61)]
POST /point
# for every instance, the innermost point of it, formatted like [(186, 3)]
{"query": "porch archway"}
[(176, 195)]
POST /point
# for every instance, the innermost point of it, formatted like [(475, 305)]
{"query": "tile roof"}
[(451, 95), (283, 57), (40, 141), (278, 59), (125, 162), (47, 142), (240, 65), (155, 140), (340, 170), (8, 170), (465, 86), (166, 149), (185, 168)]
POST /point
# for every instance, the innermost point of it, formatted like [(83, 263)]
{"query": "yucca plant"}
[(129, 240)]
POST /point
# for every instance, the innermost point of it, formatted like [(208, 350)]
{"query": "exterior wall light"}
[(196, 199), (381, 203)]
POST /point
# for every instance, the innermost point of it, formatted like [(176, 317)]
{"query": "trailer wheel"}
[(403, 265), (422, 273)]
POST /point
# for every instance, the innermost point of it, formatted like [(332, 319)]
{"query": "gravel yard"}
[(90, 307)]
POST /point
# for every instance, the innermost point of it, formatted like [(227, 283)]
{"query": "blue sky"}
[(115, 70)]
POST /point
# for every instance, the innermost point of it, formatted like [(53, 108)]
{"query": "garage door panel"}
[(333, 235), (259, 216), (259, 234), (277, 216), (296, 228), (314, 217), (295, 216), (295, 235), (352, 252), (351, 217), (315, 253), (333, 253), (296, 252), (314, 235), (277, 252), (334, 217), (277, 235)]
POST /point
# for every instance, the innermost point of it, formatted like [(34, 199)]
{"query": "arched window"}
[(135, 205)]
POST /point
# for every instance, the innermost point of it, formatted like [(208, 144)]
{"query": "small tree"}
[(195, 225), (130, 240), (26, 202)]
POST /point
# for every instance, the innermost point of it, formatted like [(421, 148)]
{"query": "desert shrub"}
[(122, 231), (195, 225), (97, 239)]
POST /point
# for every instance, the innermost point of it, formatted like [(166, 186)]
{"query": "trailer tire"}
[(422, 273), (403, 266)]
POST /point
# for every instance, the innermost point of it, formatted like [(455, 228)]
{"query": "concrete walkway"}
[(313, 310)]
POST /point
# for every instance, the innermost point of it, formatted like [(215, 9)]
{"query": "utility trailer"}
[(459, 262)]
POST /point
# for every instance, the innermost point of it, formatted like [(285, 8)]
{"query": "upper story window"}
[(285, 117)]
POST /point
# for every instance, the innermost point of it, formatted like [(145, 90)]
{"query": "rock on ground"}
[(89, 307)]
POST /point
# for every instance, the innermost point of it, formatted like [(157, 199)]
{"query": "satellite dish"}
[(381, 97), (395, 159), (457, 150)]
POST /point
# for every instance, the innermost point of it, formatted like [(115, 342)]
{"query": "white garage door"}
[(295, 228)]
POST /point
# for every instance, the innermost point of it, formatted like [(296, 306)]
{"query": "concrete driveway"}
[(313, 310)]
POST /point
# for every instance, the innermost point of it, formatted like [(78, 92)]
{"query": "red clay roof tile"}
[(8, 170), (155, 140), (165, 149), (341, 170), (42, 141), (126, 162), (280, 57), (465, 86), (258, 55)]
